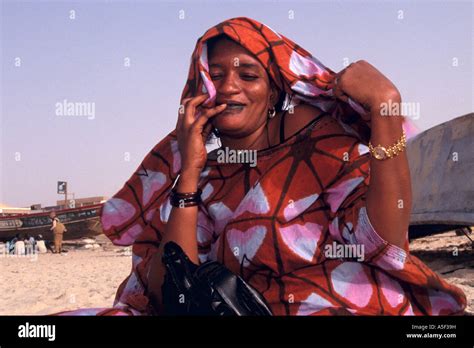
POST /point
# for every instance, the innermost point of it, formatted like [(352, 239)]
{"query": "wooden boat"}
[(441, 163), (80, 222)]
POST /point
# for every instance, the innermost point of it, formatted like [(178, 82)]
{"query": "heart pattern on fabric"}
[(337, 195), (116, 212), (294, 209), (220, 214), (254, 201), (314, 303), (391, 290), (302, 239), (151, 182), (244, 245), (350, 282)]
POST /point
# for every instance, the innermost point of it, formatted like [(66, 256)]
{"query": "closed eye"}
[(249, 77), (245, 77)]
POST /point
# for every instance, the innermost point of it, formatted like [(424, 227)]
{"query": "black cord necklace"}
[(268, 138)]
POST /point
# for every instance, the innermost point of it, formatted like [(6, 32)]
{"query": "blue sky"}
[(424, 47)]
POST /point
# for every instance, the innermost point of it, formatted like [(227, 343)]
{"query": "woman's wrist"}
[(188, 181)]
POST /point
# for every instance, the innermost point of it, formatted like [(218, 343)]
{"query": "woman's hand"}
[(363, 83), (193, 131)]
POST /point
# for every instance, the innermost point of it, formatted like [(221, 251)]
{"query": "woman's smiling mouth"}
[(233, 107)]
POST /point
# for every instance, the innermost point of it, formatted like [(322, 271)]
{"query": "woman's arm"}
[(181, 229), (389, 195), (389, 198)]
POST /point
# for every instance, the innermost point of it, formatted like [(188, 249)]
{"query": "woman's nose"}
[(229, 85)]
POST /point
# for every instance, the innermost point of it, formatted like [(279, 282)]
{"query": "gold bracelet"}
[(379, 152)]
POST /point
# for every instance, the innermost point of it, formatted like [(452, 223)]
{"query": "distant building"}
[(6, 210), (82, 202)]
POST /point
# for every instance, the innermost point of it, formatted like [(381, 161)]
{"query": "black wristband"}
[(185, 199)]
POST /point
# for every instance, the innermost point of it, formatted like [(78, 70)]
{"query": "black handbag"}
[(207, 289)]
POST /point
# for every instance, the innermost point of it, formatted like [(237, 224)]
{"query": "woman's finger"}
[(337, 88), (211, 112), (185, 100), (181, 112), (190, 108), (198, 125)]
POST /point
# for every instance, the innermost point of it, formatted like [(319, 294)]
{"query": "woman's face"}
[(239, 77)]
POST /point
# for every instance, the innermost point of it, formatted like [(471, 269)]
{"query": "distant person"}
[(58, 229), (29, 243), (41, 245), (20, 246), (32, 241), (11, 244)]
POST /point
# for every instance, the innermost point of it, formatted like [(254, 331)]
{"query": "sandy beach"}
[(57, 282), (89, 274)]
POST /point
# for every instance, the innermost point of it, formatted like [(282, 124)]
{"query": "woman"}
[(307, 226), (20, 246), (41, 245)]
